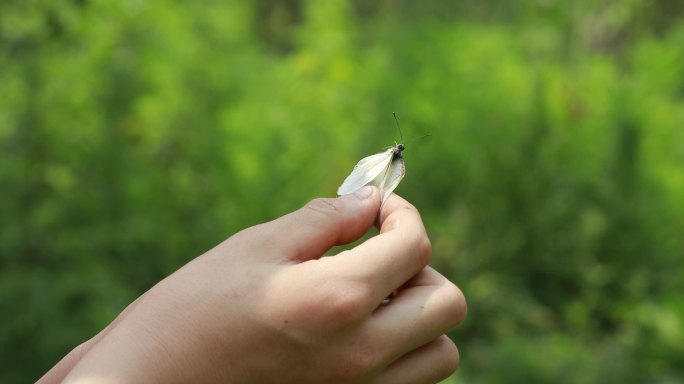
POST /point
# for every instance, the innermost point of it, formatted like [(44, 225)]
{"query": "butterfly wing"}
[(365, 171), (395, 172)]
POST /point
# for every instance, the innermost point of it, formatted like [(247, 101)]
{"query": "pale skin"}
[(264, 306)]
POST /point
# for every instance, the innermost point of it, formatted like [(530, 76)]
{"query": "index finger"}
[(386, 261)]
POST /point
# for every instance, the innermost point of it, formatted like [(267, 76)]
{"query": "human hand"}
[(264, 306)]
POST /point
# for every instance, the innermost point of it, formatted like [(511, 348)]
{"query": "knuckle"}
[(409, 207), (456, 307), (345, 303), (419, 247), (449, 357), (356, 365), (424, 249)]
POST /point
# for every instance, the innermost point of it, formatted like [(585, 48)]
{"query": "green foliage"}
[(137, 134)]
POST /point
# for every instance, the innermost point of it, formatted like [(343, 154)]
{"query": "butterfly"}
[(383, 170)]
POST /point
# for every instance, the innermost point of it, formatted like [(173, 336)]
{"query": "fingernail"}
[(364, 192)]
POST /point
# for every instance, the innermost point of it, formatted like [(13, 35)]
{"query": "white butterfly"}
[(383, 170)]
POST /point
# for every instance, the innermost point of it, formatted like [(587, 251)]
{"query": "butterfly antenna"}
[(396, 120), (415, 139)]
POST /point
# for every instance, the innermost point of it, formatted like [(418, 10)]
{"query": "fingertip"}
[(368, 194), (325, 222), (394, 203), (364, 192), (363, 208), (364, 204)]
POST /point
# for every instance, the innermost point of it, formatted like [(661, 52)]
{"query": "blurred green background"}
[(136, 134)]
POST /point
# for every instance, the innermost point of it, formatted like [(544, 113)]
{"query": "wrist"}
[(123, 356)]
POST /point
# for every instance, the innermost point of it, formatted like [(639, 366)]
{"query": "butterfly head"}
[(397, 150)]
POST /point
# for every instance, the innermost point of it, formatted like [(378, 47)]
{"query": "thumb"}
[(310, 231)]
